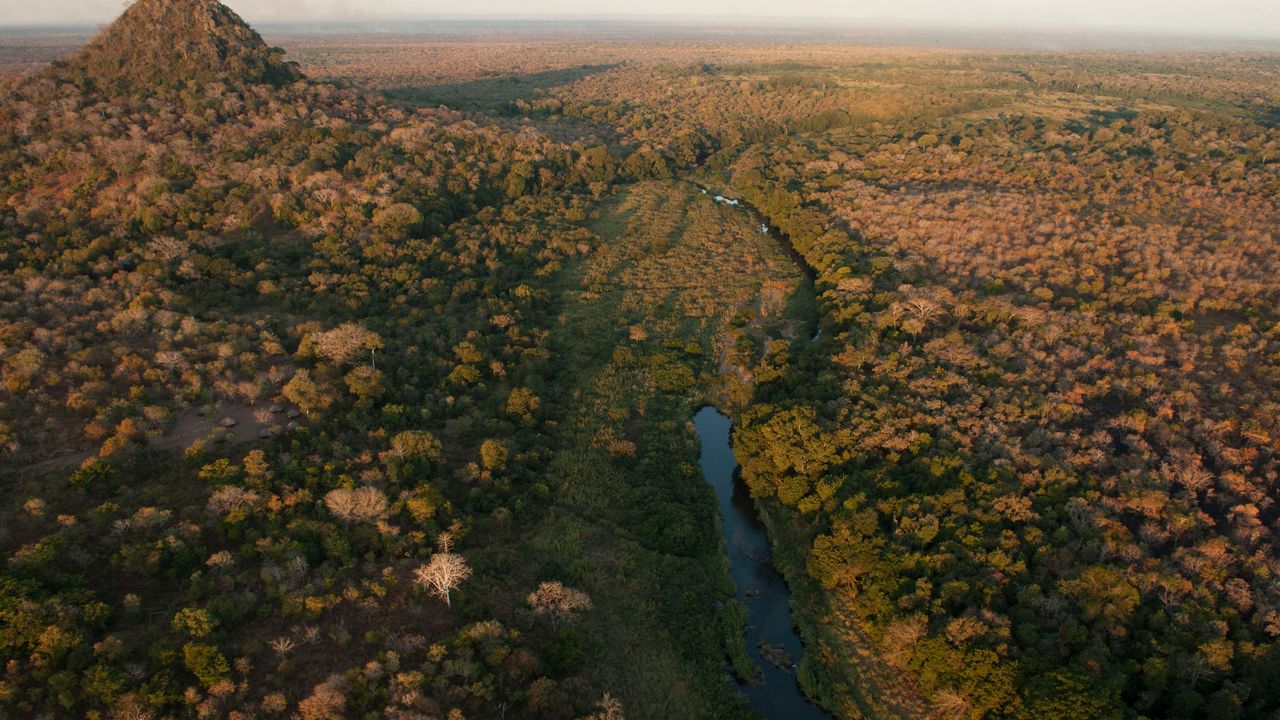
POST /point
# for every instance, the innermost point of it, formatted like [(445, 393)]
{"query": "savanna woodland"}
[(357, 382)]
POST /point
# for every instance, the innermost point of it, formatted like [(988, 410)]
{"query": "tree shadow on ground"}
[(492, 94)]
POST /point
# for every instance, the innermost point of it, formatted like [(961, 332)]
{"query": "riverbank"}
[(844, 670), (772, 645)]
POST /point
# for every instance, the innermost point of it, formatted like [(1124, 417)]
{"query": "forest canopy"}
[(359, 386)]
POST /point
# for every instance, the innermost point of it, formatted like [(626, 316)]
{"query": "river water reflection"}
[(771, 637)]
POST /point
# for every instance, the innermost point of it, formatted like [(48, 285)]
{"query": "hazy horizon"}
[(1258, 19)]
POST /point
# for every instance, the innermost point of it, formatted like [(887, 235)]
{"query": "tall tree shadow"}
[(491, 94)]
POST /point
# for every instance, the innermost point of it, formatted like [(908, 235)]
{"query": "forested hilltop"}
[(359, 387)]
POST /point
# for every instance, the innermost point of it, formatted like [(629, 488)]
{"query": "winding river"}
[(771, 637)]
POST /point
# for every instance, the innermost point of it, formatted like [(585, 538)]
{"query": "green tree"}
[(1103, 595), (494, 455), (397, 220), (365, 382), (193, 622), (302, 391), (206, 663), (523, 403)]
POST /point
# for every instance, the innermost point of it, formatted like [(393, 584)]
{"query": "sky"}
[(1246, 18)]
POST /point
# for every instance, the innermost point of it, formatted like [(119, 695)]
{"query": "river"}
[(759, 586), (778, 236)]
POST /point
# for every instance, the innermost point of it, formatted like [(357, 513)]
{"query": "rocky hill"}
[(170, 43)]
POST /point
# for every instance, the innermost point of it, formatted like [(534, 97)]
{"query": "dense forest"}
[(360, 386)]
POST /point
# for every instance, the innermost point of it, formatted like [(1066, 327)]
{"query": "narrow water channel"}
[(783, 241), (771, 636)]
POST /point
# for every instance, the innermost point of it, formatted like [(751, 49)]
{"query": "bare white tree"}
[(610, 708), (344, 342), (283, 645), (363, 503), (251, 390), (171, 360), (230, 498), (558, 602), (442, 574), (951, 704)]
